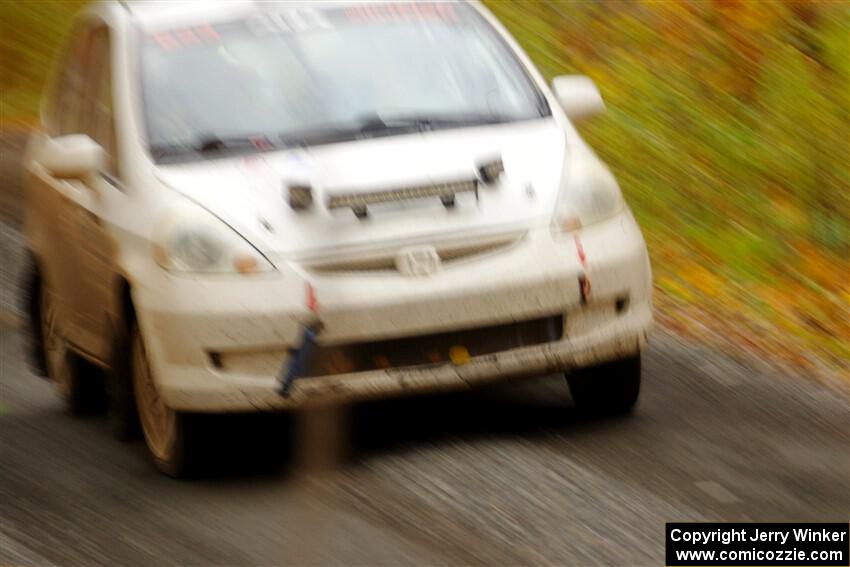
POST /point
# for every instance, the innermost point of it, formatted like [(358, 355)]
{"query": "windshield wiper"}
[(387, 123), (212, 143), (207, 143), (162, 151), (369, 125), (375, 124)]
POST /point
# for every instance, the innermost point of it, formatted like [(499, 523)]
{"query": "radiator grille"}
[(433, 348), (386, 262)]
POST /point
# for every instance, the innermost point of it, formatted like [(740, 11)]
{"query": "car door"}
[(78, 251), (51, 199), (94, 248)]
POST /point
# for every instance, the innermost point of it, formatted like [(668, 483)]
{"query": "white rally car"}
[(248, 206)]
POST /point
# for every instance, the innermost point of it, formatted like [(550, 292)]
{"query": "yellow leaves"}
[(777, 316), (789, 212), (748, 15), (675, 288), (704, 281), (780, 308), (825, 269), (728, 140)]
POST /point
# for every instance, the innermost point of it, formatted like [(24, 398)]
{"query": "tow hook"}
[(299, 356), (584, 288)]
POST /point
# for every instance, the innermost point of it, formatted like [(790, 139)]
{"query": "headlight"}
[(589, 194), (197, 242)]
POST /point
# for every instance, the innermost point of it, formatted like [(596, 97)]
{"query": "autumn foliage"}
[(728, 128)]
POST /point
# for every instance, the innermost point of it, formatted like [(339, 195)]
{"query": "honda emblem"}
[(418, 261)]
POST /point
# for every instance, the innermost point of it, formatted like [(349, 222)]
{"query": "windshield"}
[(307, 75)]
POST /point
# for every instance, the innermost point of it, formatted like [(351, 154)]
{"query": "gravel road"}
[(507, 475)]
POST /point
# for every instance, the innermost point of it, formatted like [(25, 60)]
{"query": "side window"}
[(65, 114), (81, 100), (97, 119)]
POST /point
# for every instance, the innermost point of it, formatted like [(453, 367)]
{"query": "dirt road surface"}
[(507, 475)]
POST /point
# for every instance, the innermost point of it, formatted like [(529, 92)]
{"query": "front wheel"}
[(166, 431), (609, 388)]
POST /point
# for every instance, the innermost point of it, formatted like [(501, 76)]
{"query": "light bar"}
[(300, 196), (358, 201), (489, 171)]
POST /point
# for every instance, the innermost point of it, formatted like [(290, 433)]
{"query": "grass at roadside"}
[(727, 126)]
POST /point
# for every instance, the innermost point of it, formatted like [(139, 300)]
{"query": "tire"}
[(121, 402), (31, 305), (166, 431), (77, 382), (611, 388)]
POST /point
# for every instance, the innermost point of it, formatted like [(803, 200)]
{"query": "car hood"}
[(250, 193)]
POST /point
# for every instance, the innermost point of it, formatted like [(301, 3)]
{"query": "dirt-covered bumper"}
[(222, 345)]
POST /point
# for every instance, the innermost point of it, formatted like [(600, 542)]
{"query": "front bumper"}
[(219, 345)]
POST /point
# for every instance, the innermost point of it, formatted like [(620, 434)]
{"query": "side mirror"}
[(578, 96), (75, 156)]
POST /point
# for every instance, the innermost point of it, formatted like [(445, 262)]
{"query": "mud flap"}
[(296, 364)]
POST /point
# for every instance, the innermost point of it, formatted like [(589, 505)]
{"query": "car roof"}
[(159, 14), (155, 14)]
